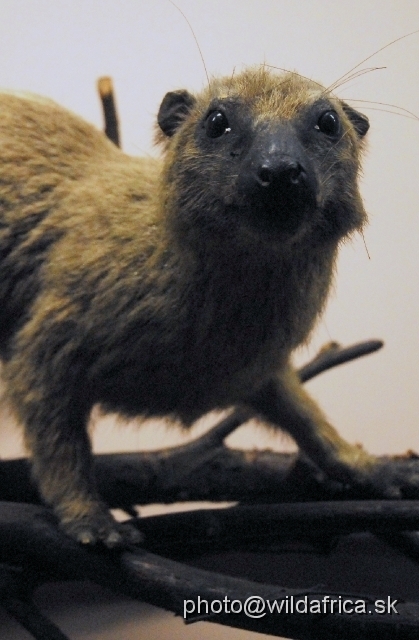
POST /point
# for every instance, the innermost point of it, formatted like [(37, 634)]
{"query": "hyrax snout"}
[(277, 180), (172, 286)]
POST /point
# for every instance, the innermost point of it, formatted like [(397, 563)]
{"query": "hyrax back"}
[(170, 287)]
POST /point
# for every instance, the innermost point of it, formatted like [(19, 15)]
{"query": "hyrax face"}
[(275, 154)]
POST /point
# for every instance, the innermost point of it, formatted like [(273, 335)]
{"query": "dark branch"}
[(332, 355), (105, 88), (192, 533), (221, 474), (167, 584), (17, 585), (31, 619)]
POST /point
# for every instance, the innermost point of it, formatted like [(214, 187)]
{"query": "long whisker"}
[(333, 86), (329, 174), (300, 75), (394, 113), (342, 81), (195, 38), (325, 157), (406, 113), (389, 44), (365, 244)]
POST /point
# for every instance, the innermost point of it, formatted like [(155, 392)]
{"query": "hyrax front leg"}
[(284, 403), (46, 390)]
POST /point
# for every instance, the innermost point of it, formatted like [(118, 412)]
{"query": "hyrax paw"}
[(102, 528), (392, 478)]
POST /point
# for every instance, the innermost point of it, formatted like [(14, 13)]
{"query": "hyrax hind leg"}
[(47, 392), (284, 403)]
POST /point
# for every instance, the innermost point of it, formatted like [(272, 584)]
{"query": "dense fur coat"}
[(173, 286)]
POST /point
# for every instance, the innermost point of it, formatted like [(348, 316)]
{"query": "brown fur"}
[(134, 282)]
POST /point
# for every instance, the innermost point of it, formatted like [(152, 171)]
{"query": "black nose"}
[(280, 173), (276, 183)]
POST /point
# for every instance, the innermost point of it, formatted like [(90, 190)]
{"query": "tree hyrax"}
[(174, 286)]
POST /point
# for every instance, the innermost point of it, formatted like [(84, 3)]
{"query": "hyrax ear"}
[(173, 110), (360, 122)]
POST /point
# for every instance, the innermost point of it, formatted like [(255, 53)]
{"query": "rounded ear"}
[(173, 110), (360, 122)]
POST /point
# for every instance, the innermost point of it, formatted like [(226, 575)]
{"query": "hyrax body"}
[(171, 287)]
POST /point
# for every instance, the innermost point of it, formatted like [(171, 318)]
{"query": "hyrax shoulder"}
[(169, 286)]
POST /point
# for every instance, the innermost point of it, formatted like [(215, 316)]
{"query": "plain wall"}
[(59, 48)]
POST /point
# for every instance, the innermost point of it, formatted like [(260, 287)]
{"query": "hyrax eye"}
[(329, 123), (216, 124)]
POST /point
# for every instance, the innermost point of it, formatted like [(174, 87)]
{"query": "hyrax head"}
[(263, 154)]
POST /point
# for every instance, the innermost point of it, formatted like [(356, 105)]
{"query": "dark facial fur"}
[(281, 157), (165, 288)]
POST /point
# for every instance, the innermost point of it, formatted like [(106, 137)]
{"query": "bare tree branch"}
[(105, 88), (31, 619), (167, 584), (221, 474), (333, 354)]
